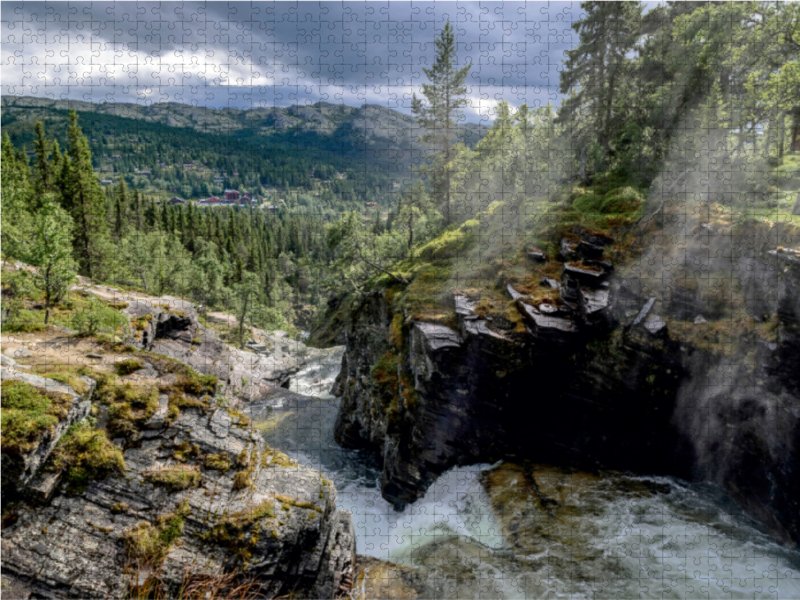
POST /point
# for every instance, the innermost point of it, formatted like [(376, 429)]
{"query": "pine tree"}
[(445, 96), (43, 169), (17, 191), (84, 200), (120, 208), (594, 70)]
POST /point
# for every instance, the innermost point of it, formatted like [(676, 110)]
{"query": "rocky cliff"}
[(590, 371), (150, 483)]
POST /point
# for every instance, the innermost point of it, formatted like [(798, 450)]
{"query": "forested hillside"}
[(321, 157)]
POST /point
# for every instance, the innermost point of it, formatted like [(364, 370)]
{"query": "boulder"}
[(548, 328), (537, 256), (589, 251)]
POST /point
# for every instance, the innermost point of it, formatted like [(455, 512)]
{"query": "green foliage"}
[(96, 317), (51, 253), (86, 454), (28, 413), (728, 68), (176, 478)]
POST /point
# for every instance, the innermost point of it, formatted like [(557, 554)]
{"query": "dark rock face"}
[(596, 382), (480, 394)]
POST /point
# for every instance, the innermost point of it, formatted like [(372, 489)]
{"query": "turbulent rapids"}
[(509, 531)]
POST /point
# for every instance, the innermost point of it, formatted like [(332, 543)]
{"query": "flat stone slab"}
[(439, 336)]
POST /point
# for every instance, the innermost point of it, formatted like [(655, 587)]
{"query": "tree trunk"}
[(410, 233), (781, 133)]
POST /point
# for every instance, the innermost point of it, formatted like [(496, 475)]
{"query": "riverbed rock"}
[(375, 578)]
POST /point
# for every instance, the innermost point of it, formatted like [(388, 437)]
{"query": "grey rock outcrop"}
[(284, 520), (19, 469)]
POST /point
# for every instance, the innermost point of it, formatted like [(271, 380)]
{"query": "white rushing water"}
[(680, 541)]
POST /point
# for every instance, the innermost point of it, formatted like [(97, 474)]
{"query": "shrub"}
[(128, 366), (622, 200), (588, 203), (242, 480), (24, 321), (95, 317)]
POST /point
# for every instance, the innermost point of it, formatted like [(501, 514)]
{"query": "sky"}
[(251, 54)]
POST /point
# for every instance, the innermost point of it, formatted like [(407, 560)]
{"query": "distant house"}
[(281, 201), (116, 156), (106, 182), (218, 178), (370, 204), (270, 207), (232, 195), (143, 172), (177, 200)]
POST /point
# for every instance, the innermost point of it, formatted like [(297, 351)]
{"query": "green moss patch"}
[(176, 478), (150, 542), (240, 531), (86, 454), (186, 450), (129, 405), (242, 480), (28, 413), (218, 462)]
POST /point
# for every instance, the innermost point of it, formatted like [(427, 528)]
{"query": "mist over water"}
[(682, 541)]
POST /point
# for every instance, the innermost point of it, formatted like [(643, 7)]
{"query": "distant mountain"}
[(373, 128), (355, 154)]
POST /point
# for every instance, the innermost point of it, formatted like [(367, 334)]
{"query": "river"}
[(681, 540)]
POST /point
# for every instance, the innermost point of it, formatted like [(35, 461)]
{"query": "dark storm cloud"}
[(249, 54)]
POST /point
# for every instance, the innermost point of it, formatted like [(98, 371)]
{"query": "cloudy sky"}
[(245, 54)]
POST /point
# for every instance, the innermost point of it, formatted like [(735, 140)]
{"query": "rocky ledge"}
[(189, 496), (594, 379)]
